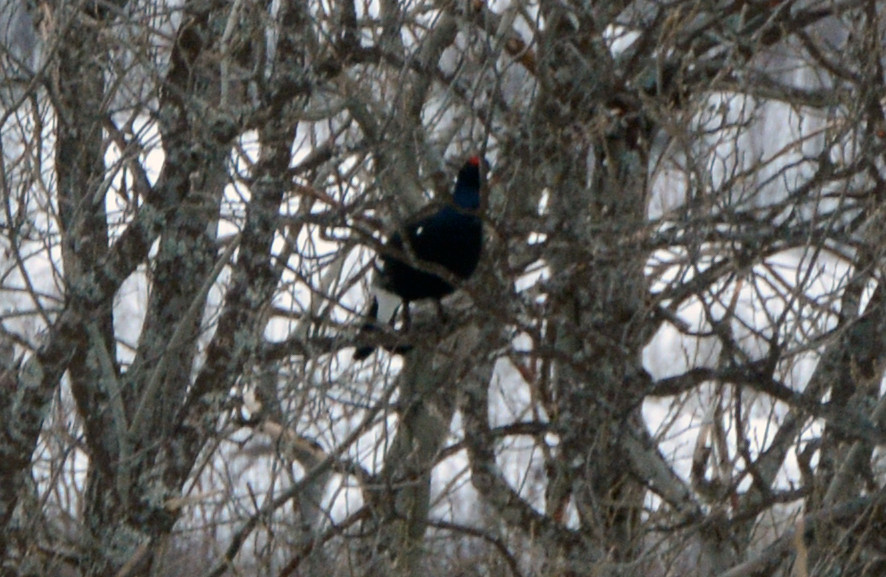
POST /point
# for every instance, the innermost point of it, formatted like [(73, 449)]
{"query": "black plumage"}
[(448, 241)]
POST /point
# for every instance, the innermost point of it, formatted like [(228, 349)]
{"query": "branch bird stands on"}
[(448, 240)]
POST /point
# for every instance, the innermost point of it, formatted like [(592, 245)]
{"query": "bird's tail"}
[(369, 326)]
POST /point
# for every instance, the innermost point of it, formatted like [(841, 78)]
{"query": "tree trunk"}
[(598, 288)]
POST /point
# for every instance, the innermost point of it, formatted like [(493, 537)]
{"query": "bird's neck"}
[(466, 198)]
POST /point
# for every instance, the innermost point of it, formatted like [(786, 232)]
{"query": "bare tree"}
[(669, 363)]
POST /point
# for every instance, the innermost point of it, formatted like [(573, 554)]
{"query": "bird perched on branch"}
[(428, 254)]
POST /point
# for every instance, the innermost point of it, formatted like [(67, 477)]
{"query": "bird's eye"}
[(419, 230)]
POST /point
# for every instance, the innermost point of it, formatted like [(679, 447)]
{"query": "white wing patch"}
[(419, 230)]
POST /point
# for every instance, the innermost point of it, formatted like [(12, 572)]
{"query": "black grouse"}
[(450, 238)]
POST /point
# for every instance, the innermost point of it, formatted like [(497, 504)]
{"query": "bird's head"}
[(467, 187)]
